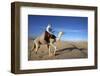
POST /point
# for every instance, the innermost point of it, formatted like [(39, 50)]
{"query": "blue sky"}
[(74, 28)]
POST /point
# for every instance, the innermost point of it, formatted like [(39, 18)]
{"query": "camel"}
[(41, 41)]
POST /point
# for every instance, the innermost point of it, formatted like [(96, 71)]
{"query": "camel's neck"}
[(59, 35)]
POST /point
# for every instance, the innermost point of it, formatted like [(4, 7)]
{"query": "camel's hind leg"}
[(37, 47)]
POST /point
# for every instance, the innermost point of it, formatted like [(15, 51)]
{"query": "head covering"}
[(49, 25)]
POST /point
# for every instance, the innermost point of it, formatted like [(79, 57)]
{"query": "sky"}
[(74, 28)]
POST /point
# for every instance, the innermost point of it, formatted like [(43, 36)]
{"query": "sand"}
[(66, 50)]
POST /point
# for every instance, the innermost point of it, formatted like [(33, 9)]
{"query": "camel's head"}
[(60, 34)]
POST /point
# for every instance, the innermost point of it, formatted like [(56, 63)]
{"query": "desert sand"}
[(65, 50)]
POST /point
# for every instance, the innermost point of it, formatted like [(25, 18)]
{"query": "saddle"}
[(49, 36)]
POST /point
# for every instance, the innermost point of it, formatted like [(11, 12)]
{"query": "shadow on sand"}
[(71, 49)]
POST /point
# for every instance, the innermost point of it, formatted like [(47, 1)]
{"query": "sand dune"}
[(66, 50)]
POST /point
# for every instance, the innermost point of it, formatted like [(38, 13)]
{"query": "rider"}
[(49, 31)]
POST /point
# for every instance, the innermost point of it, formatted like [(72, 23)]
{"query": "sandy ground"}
[(66, 50)]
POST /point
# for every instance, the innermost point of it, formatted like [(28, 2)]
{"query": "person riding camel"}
[(49, 32), (49, 29)]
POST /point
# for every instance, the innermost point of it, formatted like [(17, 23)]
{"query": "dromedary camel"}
[(41, 40)]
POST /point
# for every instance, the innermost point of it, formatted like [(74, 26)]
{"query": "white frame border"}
[(25, 64)]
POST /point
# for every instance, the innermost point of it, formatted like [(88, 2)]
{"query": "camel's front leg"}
[(50, 54), (53, 47), (49, 47)]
